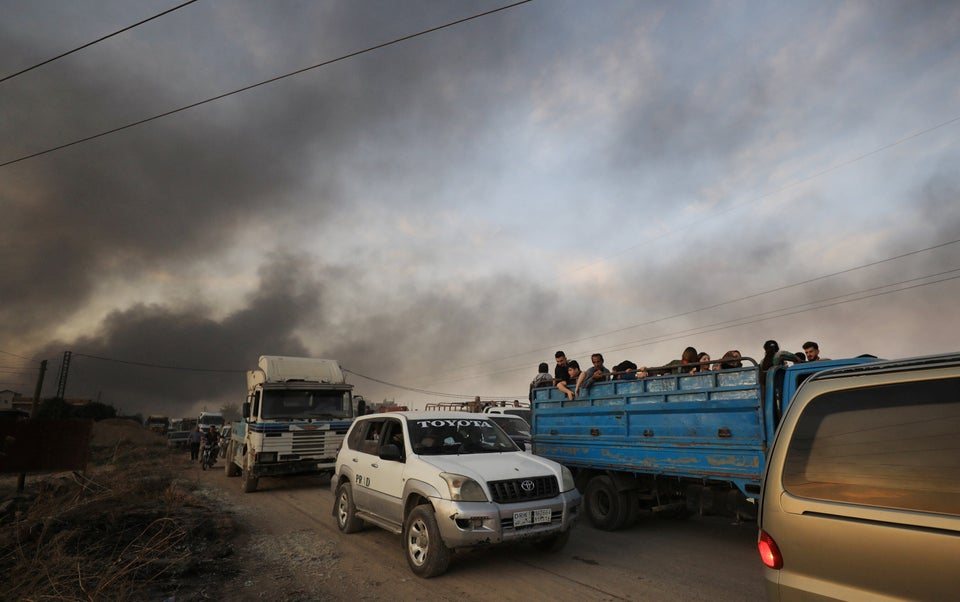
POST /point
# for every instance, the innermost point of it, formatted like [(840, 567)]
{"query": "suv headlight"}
[(463, 489), (566, 479)]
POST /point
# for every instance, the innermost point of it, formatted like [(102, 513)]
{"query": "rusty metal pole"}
[(33, 414)]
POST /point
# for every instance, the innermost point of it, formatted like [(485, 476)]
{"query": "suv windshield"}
[(453, 436), (293, 404)]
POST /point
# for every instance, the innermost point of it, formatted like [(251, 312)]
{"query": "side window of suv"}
[(355, 438), (365, 437), (890, 446), (393, 433)]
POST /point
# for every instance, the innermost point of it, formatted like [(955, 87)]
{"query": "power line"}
[(720, 304), (163, 366), (263, 83), (424, 391), (791, 310), (16, 355), (745, 320), (88, 44)]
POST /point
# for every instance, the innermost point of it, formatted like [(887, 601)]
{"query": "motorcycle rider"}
[(211, 439)]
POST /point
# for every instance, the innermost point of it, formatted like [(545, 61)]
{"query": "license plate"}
[(532, 517)]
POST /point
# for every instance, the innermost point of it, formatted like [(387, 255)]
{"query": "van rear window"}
[(891, 446)]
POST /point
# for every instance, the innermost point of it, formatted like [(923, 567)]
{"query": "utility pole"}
[(38, 390), (64, 370), (33, 414)]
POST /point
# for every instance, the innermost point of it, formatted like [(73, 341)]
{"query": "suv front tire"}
[(427, 555), (347, 520)]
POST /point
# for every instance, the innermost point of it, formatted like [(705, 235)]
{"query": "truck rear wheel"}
[(607, 508), (229, 466), (249, 481), (427, 555)]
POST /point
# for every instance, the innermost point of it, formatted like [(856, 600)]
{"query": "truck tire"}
[(229, 466), (346, 511), (554, 543), (427, 555), (607, 508), (249, 481)]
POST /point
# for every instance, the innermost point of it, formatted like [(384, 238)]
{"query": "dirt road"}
[(291, 550)]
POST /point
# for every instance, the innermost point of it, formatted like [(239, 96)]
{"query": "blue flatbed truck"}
[(673, 444)]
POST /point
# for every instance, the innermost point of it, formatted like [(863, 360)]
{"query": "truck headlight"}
[(566, 478), (267, 457), (463, 489)]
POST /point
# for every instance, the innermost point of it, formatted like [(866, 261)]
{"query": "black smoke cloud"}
[(182, 188), (190, 356)]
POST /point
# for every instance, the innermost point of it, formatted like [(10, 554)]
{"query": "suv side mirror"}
[(391, 452)]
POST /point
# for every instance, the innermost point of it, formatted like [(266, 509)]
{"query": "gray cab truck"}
[(297, 412)]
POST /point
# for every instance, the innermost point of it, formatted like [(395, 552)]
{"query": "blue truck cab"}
[(673, 443)]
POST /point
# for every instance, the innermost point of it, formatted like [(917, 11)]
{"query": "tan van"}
[(861, 497)]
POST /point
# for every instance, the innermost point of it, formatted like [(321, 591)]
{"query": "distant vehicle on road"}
[(157, 424), (224, 438), (178, 439), (297, 412), (208, 419), (517, 428)]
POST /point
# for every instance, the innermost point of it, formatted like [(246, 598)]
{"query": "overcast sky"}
[(444, 213)]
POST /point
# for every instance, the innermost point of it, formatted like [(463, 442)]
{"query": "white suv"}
[(448, 480)]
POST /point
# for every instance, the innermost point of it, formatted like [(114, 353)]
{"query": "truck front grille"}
[(322, 444), (524, 490)]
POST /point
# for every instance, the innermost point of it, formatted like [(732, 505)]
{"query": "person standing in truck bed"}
[(542, 379), (560, 370)]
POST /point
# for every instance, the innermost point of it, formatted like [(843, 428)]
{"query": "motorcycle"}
[(208, 456)]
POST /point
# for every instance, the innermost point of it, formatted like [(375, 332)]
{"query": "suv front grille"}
[(523, 490)]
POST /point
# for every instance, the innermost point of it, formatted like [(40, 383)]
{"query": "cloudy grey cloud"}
[(443, 213)]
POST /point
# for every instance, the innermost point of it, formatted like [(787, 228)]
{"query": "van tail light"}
[(769, 552)]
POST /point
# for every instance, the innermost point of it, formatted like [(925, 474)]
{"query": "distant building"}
[(6, 399)]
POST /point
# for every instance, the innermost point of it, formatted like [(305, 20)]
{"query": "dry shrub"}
[(130, 531)]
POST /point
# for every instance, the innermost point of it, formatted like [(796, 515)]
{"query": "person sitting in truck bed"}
[(681, 366), (702, 367), (625, 370), (573, 374), (731, 359), (595, 373)]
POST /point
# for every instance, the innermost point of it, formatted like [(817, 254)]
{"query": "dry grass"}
[(130, 530)]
